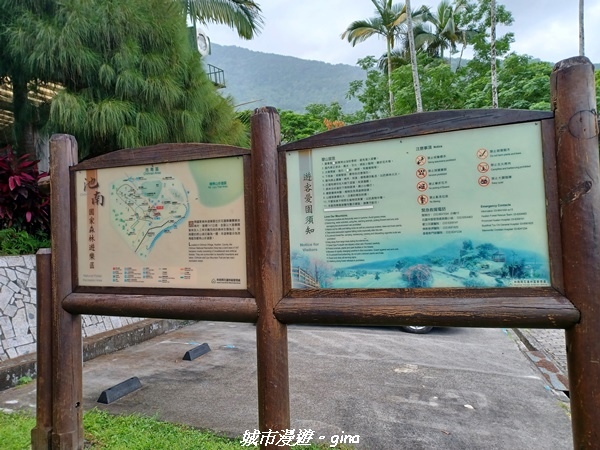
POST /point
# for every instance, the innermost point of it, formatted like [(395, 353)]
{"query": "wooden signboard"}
[(482, 218)]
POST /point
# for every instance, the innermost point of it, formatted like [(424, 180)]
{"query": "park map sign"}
[(175, 225), (456, 209)]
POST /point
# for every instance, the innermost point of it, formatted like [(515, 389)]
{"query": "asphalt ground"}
[(455, 388)]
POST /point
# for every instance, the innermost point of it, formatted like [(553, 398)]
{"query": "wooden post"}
[(271, 335), (41, 438), (574, 104), (67, 367)]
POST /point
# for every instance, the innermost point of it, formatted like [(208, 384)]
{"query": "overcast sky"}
[(311, 29)]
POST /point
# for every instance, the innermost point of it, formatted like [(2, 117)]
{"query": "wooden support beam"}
[(67, 367), (576, 123), (271, 335), (41, 435)]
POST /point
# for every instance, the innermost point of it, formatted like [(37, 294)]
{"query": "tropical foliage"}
[(127, 82), (389, 22), (22, 205)]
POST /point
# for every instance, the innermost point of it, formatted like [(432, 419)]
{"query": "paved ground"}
[(548, 351), (451, 389)]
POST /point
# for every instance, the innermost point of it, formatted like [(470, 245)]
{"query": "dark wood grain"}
[(160, 154), (67, 389), (416, 124), (271, 335), (578, 166), (164, 307), (533, 312), (41, 435), (552, 205)]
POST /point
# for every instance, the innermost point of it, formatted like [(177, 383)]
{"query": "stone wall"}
[(18, 309)]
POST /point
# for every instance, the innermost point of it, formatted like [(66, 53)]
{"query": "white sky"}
[(311, 29)]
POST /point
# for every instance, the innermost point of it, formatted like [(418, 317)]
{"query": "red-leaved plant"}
[(22, 205)]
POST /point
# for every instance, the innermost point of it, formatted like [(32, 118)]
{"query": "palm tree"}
[(413, 58), (389, 23), (241, 15), (439, 31)]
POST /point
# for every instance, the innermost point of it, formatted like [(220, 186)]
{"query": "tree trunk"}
[(389, 74), (493, 53), (581, 29), (23, 127), (413, 57)]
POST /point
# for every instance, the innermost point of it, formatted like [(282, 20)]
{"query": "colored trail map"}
[(146, 206)]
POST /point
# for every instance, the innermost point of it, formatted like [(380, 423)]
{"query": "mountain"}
[(285, 82)]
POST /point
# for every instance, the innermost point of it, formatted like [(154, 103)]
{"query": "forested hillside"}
[(284, 82)]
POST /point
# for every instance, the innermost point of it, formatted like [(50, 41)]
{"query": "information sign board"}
[(456, 209), (171, 225)]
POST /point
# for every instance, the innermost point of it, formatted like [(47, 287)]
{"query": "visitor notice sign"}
[(456, 209), (176, 225)]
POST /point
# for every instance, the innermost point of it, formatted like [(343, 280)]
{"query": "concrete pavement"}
[(451, 389)]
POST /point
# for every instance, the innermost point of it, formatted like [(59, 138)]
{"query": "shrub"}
[(13, 242), (22, 205)]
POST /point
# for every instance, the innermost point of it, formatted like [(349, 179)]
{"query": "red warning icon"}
[(422, 186), (422, 199), (484, 181), (483, 167), (483, 153), (421, 160), (421, 173)]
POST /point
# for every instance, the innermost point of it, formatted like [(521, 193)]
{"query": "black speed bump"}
[(119, 390), (192, 354)]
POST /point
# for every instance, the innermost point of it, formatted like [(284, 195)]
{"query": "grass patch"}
[(15, 431), (104, 431)]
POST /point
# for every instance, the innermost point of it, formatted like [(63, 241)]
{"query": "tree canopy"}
[(129, 74)]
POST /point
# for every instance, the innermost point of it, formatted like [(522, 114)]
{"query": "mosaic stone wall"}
[(18, 309)]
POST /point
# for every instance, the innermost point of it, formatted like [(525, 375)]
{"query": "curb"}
[(550, 370), (100, 344)]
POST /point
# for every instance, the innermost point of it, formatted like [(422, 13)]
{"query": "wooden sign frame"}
[(526, 307), (572, 181), (228, 304)]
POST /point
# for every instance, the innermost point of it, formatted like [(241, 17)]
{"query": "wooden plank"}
[(552, 205), (67, 411), (271, 335), (163, 307), (416, 124), (160, 154), (578, 166), (533, 312), (249, 215)]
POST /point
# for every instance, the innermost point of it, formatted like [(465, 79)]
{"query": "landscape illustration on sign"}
[(460, 263), (145, 206)]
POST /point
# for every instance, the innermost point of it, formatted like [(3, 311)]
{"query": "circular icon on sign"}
[(483, 167), (421, 173), (422, 186), (421, 160), (484, 181), (482, 153), (422, 199)]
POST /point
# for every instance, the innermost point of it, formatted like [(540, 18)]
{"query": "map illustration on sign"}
[(456, 209), (163, 225), (145, 206)]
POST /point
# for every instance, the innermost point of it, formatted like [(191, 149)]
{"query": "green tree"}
[(478, 17), (439, 30), (130, 75), (372, 92), (440, 86), (388, 23)]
